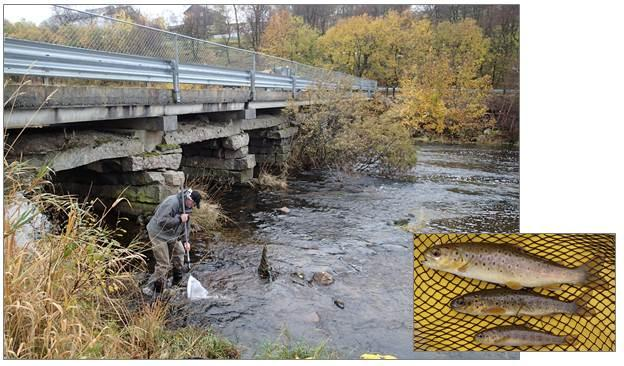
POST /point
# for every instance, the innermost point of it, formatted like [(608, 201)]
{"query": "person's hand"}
[(184, 218), (187, 246)]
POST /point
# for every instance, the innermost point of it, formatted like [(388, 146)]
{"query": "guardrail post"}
[(293, 79), (176, 81), (252, 77), (177, 54)]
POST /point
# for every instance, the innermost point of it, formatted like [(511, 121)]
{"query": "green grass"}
[(286, 349)]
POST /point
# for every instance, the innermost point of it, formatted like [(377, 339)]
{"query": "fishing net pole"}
[(437, 327)]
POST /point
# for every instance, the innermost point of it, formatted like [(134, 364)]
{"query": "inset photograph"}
[(514, 292)]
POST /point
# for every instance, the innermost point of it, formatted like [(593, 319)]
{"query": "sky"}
[(39, 13)]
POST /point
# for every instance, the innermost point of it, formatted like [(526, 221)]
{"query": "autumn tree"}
[(501, 24), (350, 45), (443, 92), (398, 41), (289, 37)]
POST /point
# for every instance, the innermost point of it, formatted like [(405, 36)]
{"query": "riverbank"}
[(69, 288), (492, 138)]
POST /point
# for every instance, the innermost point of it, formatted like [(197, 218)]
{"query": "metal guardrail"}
[(142, 53)]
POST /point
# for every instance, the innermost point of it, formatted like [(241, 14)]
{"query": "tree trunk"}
[(237, 26)]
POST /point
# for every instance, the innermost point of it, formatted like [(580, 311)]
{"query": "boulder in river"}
[(312, 317), (322, 278), (264, 269), (284, 209)]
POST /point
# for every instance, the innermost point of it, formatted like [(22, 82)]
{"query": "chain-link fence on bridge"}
[(84, 30)]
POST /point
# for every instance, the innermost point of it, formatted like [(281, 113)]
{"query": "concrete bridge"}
[(143, 139), (143, 149)]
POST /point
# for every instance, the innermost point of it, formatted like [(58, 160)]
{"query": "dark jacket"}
[(166, 224)]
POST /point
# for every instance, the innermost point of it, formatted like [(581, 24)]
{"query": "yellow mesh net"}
[(437, 327)]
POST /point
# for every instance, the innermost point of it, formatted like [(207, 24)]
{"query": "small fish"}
[(517, 336), (506, 302), (510, 266)]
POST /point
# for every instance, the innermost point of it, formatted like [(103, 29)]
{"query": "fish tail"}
[(571, 339), (592, 277), (582, 305)]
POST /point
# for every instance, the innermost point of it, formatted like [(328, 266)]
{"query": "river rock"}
[(312, 317), (322, 278), (264, 269), (284, 209)]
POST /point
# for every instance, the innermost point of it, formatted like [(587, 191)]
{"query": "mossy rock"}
[(167, 147)]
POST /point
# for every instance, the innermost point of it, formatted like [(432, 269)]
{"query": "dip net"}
[(437, 327)]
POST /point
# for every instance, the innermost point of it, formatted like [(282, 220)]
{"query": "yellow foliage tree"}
[(397, 40), (443, 92), (289, 37), (351, 45)]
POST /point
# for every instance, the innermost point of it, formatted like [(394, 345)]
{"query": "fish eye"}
[(460, 302), (436, 252)]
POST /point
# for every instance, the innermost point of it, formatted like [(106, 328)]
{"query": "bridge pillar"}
[(250, 113), (272, 146), (224, 159)]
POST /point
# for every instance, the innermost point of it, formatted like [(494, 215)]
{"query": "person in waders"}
[(166, 232)]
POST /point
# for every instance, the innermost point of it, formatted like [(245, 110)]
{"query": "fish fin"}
[(571, 339), (593, 278), (496, 310), (582, 305), (513, 285), (463, 268), (516, 247), (553, 286)]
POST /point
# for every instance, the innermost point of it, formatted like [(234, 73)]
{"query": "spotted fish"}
[(518, 336), (509, 265), (506, 302)]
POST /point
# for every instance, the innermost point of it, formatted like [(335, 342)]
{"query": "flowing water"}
[(350, 227)]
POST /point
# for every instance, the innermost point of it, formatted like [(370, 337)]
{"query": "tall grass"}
[(68, 294), (210, 216)]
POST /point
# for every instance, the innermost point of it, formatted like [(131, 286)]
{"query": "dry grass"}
[(267, 180), (211, 215), (67, 295)]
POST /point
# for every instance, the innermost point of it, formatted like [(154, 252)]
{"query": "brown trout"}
[(508, 265), (506, 302), (517, 336)]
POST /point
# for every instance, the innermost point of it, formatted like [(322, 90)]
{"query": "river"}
[(349, 226)]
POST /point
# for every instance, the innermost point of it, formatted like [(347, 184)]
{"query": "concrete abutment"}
[(145, 159)]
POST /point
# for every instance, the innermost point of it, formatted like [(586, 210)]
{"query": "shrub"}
[(351, 134)]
